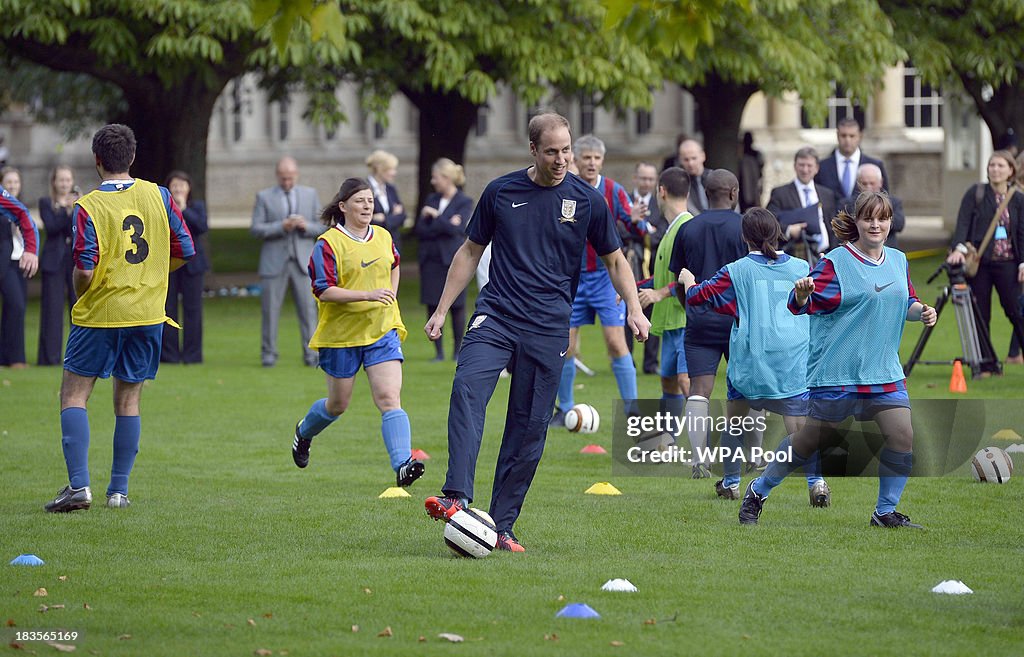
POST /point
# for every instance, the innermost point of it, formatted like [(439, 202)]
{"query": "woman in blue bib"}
[(857, 286), (768, 345), (354, 271)]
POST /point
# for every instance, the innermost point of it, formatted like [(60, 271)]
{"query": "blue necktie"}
[(848, 179), (807, 197)]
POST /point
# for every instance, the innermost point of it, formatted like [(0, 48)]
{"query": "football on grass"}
[(992, 465), (470, 533), (582, 418)]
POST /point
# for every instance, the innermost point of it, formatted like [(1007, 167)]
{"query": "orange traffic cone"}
[(957, 382)]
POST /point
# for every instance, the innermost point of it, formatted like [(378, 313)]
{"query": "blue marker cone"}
[(26, 560), (577, 610)]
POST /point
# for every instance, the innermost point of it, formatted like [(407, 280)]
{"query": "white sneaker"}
[(118, 501)]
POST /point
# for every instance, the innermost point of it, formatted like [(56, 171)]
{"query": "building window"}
[(282, 120), (587, 108), (839, 107), (922, 103), (379, 130), (644, 119), (480, 129), (240, 105)]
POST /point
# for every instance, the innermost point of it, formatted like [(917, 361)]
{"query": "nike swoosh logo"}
[(562, 355), (879, 289), (367, 264), (519, 205)]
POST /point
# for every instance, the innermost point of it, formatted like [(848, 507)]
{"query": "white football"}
[(470, 533), (582, 418), (992, 465)]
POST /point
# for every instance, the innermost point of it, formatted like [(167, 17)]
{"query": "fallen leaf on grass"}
[(10, 622), (561, 598), (63, 578), (251, 623), (551, 637), (617, 644), (454, 638), (56, 606), (263, 652), (367, 591), (197, 614), (386, 632), (268, 615), (124, 637), (650, 621), (355, 628), (16, 646), (422, 639), (40, 593), (63, 647), (85, 605)]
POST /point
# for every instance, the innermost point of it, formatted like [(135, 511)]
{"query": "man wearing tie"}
[(645, 177), (839, 170), (805, 206), (691, 160), (283, 218)]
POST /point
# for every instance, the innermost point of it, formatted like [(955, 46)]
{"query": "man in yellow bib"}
[(128, 235)]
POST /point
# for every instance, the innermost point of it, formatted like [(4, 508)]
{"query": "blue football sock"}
[(893, 470), (777, 470), (733, 440), (74, 429), (566, 398), (394, 426), (624, 370), (812, 469), (316, 420), (127, 431)]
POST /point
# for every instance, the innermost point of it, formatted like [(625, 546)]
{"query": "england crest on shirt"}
[(568, 212)]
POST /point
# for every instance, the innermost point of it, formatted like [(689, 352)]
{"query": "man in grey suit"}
[(286, 219)]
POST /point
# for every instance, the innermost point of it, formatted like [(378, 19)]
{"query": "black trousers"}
[(1003, 277), (189, 287), (14, 289), (58, 288)]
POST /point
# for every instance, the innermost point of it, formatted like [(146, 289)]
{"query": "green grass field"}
[(229, 549)]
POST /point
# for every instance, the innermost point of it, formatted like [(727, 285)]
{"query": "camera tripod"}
[(975, 343)]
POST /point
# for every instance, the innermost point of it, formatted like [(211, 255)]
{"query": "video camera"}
[(955, 272)]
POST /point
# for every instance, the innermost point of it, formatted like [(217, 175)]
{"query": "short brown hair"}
[(544, 122)]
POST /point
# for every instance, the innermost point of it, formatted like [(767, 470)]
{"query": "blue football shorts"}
[(595, 296), (836, 406), (673, 352), (344, 362), (702, 359), (130, 354), (795, 406)]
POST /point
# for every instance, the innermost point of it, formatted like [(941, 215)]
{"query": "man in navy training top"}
[(538, 221)]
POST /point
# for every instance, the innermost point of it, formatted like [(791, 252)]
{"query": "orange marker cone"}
[(957, 382)]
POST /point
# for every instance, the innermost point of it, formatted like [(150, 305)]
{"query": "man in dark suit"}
[(286, 218), (869, 179), (794, 205), (691, 160), (645, 178), (838, 171)]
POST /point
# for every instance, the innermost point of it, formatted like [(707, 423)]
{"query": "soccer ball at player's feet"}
[(892, 520), (470, 533), (440, 507), (582, 418), (820, 494)]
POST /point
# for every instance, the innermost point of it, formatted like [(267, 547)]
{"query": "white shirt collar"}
[(865, 256), (369, 233)]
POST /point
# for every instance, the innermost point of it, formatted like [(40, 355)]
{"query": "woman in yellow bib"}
[(354, 271)]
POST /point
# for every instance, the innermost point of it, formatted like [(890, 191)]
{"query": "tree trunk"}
[(444, 125), (719, 110), (1003, 112), (171, 130)]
